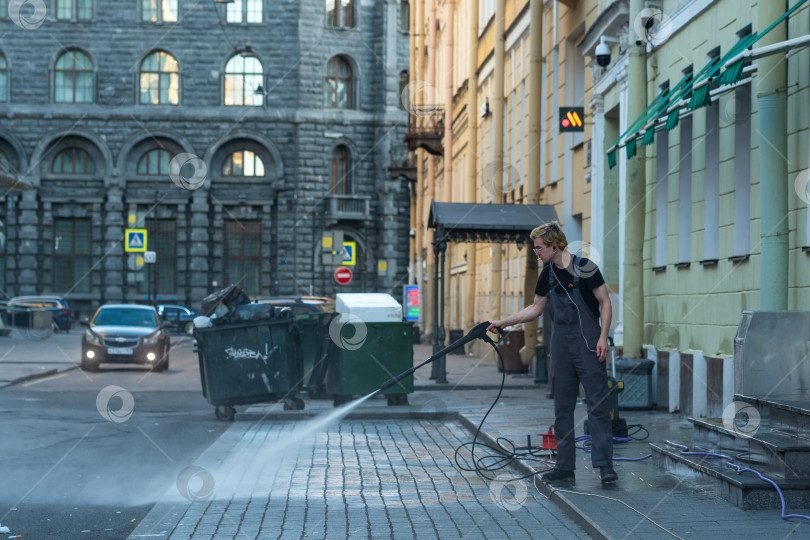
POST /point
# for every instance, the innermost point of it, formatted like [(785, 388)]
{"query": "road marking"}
[(37, 381)]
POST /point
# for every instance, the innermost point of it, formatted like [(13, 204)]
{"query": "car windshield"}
[(125, 317)]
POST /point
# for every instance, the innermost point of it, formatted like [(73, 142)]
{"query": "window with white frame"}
[(159, 10), (244, 11), (340, 13), (685, 191), (160, 80), (711, 185), (74, 9), (742, 170), (243, 81), (73, 78)]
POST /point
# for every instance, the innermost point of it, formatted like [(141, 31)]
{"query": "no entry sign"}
[(343, 275)]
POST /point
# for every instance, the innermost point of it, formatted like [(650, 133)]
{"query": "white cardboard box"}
[(369, 307)]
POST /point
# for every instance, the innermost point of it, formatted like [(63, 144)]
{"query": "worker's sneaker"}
[(557, 475), (608, 475)]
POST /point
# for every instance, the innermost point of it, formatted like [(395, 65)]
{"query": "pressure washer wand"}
[(478, 331)]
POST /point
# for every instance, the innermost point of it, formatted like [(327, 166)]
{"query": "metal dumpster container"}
[(315, 347), (250, 362), (358, 368)]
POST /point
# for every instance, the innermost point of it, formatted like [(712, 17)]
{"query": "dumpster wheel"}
[(225, 413), (293, 404)]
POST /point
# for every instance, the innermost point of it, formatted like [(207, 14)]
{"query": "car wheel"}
[(89, 365), (163, 364)]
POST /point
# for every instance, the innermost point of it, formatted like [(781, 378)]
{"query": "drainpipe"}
[(774, 184), (633, 290), (532, 179), (497, 151), (472, 161), (414, 264)]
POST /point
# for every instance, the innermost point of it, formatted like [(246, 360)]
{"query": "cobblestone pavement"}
[(356, 479)]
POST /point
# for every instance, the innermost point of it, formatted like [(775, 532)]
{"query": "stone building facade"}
[(238, 134)]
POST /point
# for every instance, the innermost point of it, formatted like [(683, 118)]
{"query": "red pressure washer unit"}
[(549, 440)]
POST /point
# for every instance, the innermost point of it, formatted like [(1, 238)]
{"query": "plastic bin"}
[(360, 367), (252, 362), (636, 373), (510, 345)]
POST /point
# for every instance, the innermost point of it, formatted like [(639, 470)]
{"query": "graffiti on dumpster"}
[(247, 354)]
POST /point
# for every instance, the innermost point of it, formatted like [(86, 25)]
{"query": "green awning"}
[(612, 158), (630, 147), (672, 119), (649, 136), (700, 98), (733, 74)]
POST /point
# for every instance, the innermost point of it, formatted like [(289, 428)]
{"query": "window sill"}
[(659, 269), (708, 262), (681, 265), (739, 258), (806, 249)]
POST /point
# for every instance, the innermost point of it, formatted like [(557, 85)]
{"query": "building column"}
[(635, 202), (28, 244), (198, 270), (773, 177), (535, 97), (470, 316), (113, 217), (497, 164)]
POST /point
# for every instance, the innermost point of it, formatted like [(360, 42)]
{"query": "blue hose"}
[(684, 450)]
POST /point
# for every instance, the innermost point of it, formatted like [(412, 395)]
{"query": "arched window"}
[(341, 184), (243, 77), (73, 160), (74, 78), (338, 84), (3, 78), (340, 13), (160, 80), (155, 162), (243, 163)]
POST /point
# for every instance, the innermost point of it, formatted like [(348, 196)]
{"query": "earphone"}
[(579, 316)]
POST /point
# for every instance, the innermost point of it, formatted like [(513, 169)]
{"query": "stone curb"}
[(34, 376)]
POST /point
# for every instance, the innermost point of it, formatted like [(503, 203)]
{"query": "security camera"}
[(603, 53)]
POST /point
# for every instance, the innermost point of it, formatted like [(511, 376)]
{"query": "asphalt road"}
[(86, 455)]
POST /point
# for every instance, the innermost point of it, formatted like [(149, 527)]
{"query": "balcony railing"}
[(426, 128), (348, 207)]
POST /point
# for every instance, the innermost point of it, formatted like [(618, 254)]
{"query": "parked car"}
[(181, 316), (19, 308), (301, 305), (125, 334)]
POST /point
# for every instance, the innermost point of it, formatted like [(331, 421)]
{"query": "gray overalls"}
[(573, 363)]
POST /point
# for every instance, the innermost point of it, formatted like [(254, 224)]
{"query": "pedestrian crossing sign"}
[(135, 240), (349, 255)]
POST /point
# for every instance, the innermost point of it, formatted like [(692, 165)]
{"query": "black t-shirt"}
[(590, 278)]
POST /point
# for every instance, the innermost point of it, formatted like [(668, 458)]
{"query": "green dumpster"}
[(359, 364)]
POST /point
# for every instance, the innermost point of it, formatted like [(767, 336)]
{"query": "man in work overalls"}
[(575, 291)]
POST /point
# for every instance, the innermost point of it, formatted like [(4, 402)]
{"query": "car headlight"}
[(91, 338), (150, 340)]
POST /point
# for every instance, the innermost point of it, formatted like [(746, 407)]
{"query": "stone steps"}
[(770, 436)]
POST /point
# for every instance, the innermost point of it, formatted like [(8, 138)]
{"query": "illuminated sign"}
[(410, 294)]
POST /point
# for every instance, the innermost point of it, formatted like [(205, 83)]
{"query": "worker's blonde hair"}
[(551, 234)]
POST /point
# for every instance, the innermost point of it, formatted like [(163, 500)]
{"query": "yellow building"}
[(496, 144)]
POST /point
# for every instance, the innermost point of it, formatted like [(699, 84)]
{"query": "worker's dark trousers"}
[(574, 361)]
